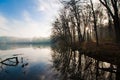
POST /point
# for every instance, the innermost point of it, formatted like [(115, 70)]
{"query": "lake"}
[(34, 62), (43, 62)]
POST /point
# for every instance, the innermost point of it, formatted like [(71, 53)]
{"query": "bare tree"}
[(95, 22), (74, 8), (114, 14)]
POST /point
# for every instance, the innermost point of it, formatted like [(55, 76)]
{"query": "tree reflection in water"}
[(73, 65)]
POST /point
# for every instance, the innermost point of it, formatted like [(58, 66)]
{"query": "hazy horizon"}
[(28, 37)]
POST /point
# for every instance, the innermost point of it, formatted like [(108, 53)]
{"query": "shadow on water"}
[(73, 65)]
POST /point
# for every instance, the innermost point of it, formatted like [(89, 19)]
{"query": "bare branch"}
[(108, 8)]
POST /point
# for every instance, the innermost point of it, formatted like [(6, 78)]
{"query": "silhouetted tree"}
[(95, 22), (114, 14)]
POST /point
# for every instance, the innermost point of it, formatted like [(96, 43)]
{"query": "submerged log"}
[(15, 63)]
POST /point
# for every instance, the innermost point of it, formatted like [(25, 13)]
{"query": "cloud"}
[(48, 5), (23, 28), (3, 21), (29, 26), (49, 8)]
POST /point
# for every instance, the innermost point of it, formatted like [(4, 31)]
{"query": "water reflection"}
[(37, 62), (73, 65), (15, 46), (26, 62)]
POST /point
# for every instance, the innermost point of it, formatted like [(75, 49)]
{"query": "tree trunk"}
[(117, 28), (95, 23)]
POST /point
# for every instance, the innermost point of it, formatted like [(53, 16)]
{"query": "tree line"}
[(87, 21)]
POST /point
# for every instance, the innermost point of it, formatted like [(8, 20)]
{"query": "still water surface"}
[(34, 63), (42, 62)]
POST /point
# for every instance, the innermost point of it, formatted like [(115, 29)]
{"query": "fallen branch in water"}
[(9, 59)]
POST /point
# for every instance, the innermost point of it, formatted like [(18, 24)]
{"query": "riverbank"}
[(108, 52)]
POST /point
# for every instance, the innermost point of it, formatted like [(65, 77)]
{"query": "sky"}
[(27, 18)]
